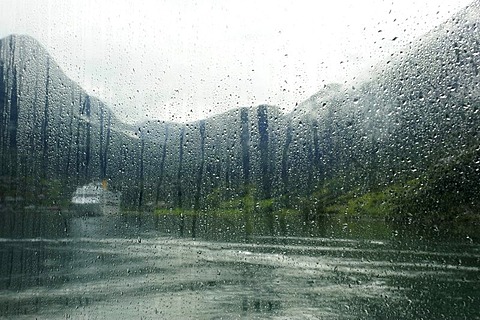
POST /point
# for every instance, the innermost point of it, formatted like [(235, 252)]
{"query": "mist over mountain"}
[(419, 110), (424, 101)]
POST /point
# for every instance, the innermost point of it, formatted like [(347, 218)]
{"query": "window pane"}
[(207, 160)]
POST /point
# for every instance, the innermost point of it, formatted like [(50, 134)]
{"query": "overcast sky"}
[(185, 60)]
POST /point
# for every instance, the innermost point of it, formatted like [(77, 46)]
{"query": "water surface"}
[(54, 267)]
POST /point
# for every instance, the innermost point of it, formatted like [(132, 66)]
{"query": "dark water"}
[(56, 267)]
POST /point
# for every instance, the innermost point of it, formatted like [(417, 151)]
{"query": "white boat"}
[(94, 199)]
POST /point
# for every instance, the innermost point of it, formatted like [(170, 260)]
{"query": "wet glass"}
[(199, 161)]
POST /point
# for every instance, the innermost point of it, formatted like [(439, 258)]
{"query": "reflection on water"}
[(56, 267)]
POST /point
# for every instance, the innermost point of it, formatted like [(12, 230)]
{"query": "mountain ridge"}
[(341, 141)]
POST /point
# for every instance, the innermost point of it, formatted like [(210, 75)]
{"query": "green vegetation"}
[(447, 197), (45, 193), (445, 194)]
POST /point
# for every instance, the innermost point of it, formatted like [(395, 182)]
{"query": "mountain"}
[(416, 117), (51, 130), (419, 107), (414, 123), (54, 137)]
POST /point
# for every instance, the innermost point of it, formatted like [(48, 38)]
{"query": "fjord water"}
[(141, 267)]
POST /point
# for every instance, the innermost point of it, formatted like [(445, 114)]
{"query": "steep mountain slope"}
[(419, 107), (51, 131)]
